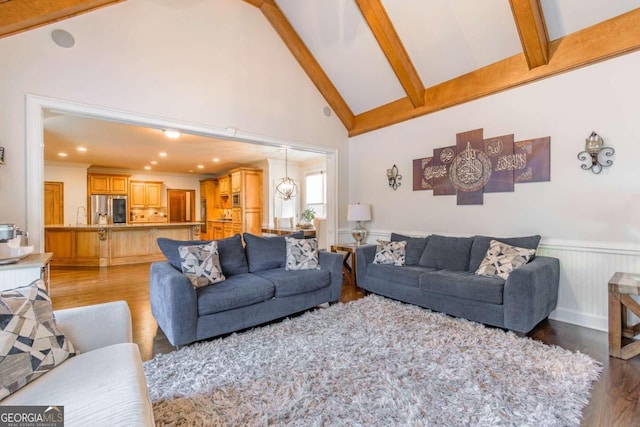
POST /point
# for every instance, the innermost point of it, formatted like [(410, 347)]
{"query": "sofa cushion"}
[(264, 253), (481, 245), (31, 344), (237, 291), (103, 387), (390, 253), (302, 254), (415, 247), (201, 264), (502, 259), (463, 284), (407, 275), (447, 253), (288, 283), (231, 252)]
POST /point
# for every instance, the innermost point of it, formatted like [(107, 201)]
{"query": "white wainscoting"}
[(585, 270)]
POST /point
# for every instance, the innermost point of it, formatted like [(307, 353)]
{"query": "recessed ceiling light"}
[(215, 160), (200, 166), (163, 154), (171, 134), (83, 149), (62, 154), (147, 168), (153, 162), (190, 170), (63, 38)]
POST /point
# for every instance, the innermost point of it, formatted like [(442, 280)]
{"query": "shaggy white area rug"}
[(371, 362)]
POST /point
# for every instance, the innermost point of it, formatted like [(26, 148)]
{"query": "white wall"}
[(577, 212), (214, 63)]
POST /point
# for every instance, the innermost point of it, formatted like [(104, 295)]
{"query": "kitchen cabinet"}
[(79, 247), (236, 182), (218, 230), (225, 186), (248, 216), (108, 184), (227, 230), (145, 194)]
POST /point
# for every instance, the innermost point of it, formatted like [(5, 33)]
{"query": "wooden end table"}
[(350, 250), (621, 287)]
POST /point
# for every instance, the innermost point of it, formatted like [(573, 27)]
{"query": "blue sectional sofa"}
[(439, 274), (257, 288)]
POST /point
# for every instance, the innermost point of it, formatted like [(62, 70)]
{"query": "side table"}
[(350, 250), (621, 287)]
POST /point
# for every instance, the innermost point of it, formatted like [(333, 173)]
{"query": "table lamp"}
[(359, 213)]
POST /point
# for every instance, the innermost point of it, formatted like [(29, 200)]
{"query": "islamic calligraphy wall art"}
[(476, 165)]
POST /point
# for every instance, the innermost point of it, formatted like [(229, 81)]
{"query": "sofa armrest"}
[(531, 293), (364, 257), (174, 303), (333, 263), (96, 326)]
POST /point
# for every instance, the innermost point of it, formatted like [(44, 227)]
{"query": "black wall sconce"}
[(394, 177), (594, 149)]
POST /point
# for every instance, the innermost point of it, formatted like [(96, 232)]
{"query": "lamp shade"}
[(359, 213)]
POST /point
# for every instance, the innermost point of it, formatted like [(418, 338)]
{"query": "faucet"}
[(78, 214)]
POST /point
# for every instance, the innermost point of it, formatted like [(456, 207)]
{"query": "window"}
[(316, 192)]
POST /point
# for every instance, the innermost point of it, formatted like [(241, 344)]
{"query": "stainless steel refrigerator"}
[(107, 209)]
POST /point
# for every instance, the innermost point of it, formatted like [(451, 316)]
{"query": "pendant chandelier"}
[(286, 188)]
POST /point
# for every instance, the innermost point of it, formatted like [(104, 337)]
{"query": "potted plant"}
[(306, 218)]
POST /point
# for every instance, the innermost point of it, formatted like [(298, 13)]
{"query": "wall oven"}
[(235, 200)]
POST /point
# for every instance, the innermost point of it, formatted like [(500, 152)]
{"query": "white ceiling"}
[(123, 146), (444, 38)]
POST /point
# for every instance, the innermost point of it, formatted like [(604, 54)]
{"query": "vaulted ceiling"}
[(380, 62)]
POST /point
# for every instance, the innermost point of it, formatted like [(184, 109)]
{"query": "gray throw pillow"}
[(415, 247), (31, 344), (302, 254), (390, 253), (501, 259), (201, 264), (447, 253), (230, 250), (481, 246)]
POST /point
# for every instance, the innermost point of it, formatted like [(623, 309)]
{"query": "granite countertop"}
[(137, 225)]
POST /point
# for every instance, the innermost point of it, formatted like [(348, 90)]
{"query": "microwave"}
[(235, 200)]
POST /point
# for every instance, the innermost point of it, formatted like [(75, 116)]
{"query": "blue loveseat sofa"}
[(257, 288), (439, 274)]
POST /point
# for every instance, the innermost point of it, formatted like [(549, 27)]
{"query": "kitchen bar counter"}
[(134, 225), (113, 244)]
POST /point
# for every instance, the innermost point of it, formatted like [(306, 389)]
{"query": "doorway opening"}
[(181, 205)]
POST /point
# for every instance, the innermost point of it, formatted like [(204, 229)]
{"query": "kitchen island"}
[(113, 244)]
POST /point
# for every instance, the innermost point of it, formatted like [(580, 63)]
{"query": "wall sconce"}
[(594, 147), (394, 177)]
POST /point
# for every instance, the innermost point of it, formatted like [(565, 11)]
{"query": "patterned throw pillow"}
[(501, 259), (201, 264), (30, 342), (302, 254), (392, 253)]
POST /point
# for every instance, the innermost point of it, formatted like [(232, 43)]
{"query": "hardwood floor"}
[(615, 398)]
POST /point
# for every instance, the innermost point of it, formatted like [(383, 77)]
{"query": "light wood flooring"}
[(615, 398)]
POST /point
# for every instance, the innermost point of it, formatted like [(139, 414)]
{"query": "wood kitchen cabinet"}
[(145, 194), (80, 247), (218, 230), (236, 182), (248, 216), (225, 186), (108, 184)]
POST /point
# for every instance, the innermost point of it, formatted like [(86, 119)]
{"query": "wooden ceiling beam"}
[(384, 32), (529, 20), (303, 55), (608, 39), (17, 16)]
